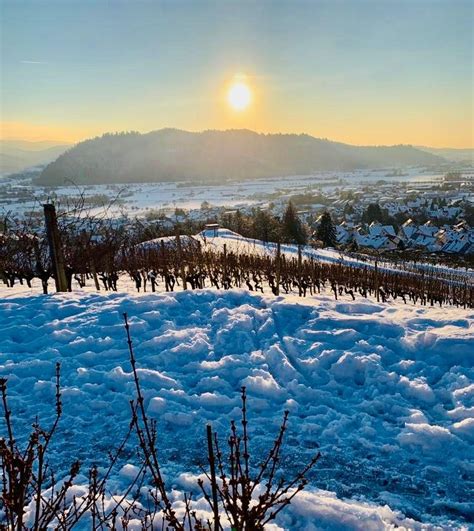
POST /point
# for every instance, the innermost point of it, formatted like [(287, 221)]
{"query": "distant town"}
[(372, 212)]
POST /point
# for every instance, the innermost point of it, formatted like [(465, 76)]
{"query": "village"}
[(427, 216), (431, 218)]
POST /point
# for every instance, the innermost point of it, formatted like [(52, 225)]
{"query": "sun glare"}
[(239, 96)]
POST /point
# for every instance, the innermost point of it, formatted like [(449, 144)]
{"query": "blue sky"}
[(359, 71)]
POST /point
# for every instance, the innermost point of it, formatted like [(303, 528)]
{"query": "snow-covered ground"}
[(386, 391), (142, 197)]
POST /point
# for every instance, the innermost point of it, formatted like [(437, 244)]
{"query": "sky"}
[(366, 72)]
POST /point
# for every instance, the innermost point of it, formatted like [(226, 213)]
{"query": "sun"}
[(239, 96)]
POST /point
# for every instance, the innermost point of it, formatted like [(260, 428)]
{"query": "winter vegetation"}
[(98, 250), (174, 155), (238, 493)]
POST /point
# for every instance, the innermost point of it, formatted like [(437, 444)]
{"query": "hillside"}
[(465, 155), (172, 155), (16, 156)]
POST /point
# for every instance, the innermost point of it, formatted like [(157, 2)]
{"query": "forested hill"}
[(171, 155)]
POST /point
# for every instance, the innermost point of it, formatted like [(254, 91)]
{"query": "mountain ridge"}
[(452, 154), (17, 155), (173, 154)]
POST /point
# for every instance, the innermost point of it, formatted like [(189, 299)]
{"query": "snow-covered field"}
[(386, 391), (143, 197)]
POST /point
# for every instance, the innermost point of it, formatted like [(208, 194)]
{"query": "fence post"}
[(278, 269), (180, 259), (55, 249), (165, 265), (225, 260), (163, 255), (94, 274), (300, 291), (212, 467), (377, 293), (92, 265)]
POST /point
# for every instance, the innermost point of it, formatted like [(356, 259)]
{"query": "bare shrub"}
[(247, 499), (240, 494)]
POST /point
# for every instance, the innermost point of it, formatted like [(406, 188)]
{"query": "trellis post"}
[(55, 248)]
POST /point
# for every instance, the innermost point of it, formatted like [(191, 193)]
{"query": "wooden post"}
[(55, 249), (163, 255), (300, 291), (465, 294), (278, 269), (94, 275), (225, 263), (87, 241), (165, 266), (212, 467), (377, 293), (180, 258)]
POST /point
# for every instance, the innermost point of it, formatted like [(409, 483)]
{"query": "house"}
[(212, 229), (459, 245), (448, 212), (376, 229), (428, 229), (425, 241), (381, 240), (345, 232), (407, 230)]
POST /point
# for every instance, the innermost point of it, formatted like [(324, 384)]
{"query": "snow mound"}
[(385, 391)]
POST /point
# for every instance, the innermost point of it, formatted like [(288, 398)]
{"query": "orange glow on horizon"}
[(41, 132), (262, 120)]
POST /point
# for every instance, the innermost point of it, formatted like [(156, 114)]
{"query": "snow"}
[(141, 198), (385, 391)]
